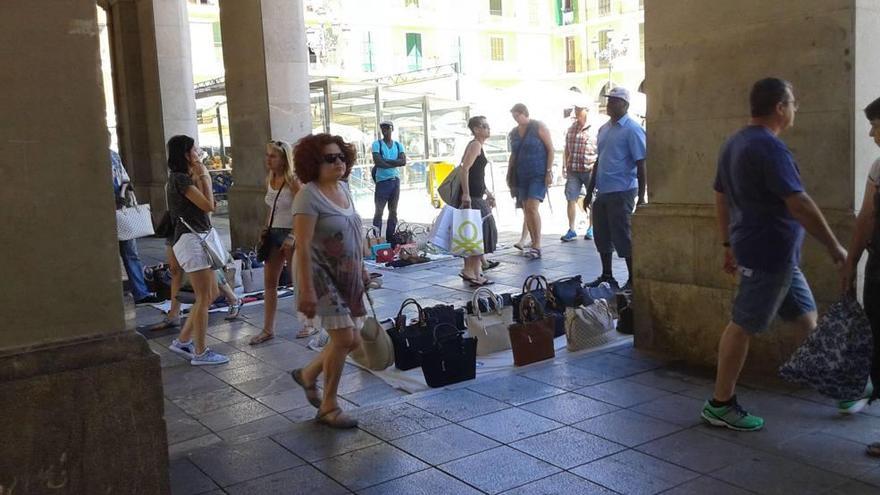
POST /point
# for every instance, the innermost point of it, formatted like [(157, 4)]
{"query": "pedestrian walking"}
[(530, 171), (329, 265), (620, 177), (281, 189), (134, 269), (762, 210), (866, 236), (388, 158), (475, 195), (190, 200), (578, 159)]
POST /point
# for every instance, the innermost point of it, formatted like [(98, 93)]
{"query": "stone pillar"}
[(153, 87), (700, 65), (81, 397), (267, 88)]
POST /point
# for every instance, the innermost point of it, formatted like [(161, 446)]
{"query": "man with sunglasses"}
[(388, 157)]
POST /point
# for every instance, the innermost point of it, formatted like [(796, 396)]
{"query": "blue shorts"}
[(531, 188), (763, 295), (575, 184)]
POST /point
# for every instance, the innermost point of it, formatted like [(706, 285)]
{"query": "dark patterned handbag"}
[(568, 293), (537, 287), (836, 358), (451, 359), (410, 338), (532, 338)]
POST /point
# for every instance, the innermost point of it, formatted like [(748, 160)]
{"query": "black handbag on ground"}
[(402, 236), (264, 249), (487, 306), (452, 358), (537, 287), (410, 339), (568, 293), (625, 317)]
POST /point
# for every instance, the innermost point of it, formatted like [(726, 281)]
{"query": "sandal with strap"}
[(533, 254), (311, 391), (480, 283), (491, 264), (335, 418), (261, 337)]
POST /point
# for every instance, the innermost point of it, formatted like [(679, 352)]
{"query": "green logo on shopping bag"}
[(467, 239)]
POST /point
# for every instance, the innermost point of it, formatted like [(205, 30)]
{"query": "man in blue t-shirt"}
[(388, 157), (762, 212)]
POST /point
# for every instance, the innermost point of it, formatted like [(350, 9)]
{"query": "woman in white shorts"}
[(329, 265), (190, 200)]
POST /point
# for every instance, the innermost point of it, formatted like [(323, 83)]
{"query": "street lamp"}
[(614, 49)]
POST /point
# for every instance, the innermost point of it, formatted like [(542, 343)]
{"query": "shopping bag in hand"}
[(467, 233), (441, 230)]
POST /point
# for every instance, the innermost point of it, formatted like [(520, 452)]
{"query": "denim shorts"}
[(575, 184), (763, 295), (612, 222), (531, 188), (278, 235)]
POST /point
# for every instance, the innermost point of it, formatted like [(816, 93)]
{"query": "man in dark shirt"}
[(762, 210)]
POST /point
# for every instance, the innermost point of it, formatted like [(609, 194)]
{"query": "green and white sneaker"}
[(732, 416), (855, 406)]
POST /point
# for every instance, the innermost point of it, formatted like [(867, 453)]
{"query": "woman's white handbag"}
[(490, 328), (376, 351), (134, 221), (589, 326)]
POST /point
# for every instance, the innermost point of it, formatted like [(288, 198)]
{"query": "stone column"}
[(267, 87), (81, 397), (153, 87), (700, 65)]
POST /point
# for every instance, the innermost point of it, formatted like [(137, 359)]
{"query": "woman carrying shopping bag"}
[(474, 195)]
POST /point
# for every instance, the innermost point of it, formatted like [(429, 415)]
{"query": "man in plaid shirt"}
[(578, 160)]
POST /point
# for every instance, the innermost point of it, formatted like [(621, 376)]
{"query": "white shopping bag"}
[(467, 233), (441, 230)]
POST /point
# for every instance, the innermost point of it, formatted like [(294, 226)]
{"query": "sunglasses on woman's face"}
[(332, 157)]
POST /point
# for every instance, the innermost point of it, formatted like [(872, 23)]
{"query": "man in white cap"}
[(388, 156), (578, 159), (619, 176)]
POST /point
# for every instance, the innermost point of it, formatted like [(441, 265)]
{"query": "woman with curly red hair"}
[(329, 265)]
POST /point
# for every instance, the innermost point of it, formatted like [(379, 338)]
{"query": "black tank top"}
[(477, 176)]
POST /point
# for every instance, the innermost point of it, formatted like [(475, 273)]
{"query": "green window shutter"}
[(558, 12), (217, 38), (576, 7)]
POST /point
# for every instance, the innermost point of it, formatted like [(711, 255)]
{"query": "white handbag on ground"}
[(134, 221), (589, 326), (232, 271), (252, 279), (490, 328), (376, 351)]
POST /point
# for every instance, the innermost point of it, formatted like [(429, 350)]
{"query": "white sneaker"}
[(319, 341), (208, 357), (186, 350)]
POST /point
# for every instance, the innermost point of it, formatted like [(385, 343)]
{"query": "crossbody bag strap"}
[(275, 203)]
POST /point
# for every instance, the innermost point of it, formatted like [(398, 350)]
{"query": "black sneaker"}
[(602, 278), (151, 299)]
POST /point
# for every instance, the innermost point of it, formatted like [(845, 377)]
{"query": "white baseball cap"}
[(618, 92)]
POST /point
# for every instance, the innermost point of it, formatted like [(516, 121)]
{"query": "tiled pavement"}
[(616, 421)]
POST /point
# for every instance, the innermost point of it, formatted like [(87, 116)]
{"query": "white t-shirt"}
[(874, 174), (284, 209)]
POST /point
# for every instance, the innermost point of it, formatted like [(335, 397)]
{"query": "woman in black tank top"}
[(475, 196)]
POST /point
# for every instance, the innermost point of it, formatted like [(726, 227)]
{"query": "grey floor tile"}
[(567, 447), (632, 472), (267, 385), (515, 389), (510, 425), (831, 453), (560, 484), (232, 464), (398, 420), (187, 479), (205, 402), (612, 364), (370, 466), (353, 382), (189, 381), (247, 373), (768, 474), (569, 408), (286, 400), (182, 449), (872, 477), (260, 428), (458, 405), (234, 415), (314, 442), (373, 394), (567, 376), (857, 427), (302, 479), (183, 429), (697, 451), (499, 469), (445, 444), (669, 380), (678, 409), (627, 427), (706, 486), (622, 393), (237, 360), (428, 482), (855, 488)]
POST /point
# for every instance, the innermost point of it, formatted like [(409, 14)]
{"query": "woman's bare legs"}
[(330, 361), (176, 282), (204, 284), (271, 274)]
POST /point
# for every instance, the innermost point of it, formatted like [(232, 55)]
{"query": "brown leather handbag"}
[(532, 338)]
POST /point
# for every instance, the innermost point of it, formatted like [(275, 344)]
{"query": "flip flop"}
[(491, 264), (165, 324), (311, 391), (338, 420), (261, 337), (477, 283)]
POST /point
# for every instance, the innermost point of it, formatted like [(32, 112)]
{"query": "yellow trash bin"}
[(437, 173)]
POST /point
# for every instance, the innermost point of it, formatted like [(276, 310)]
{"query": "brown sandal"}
[(261, 337), (338, 420), (873, 449), (311, 391)]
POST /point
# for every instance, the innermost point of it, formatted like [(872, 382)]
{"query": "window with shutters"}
[(497, 46), (496, 7), (570, 54), (604, 7), (414, 50)]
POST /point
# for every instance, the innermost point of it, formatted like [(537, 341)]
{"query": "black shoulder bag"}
[(264, 250)]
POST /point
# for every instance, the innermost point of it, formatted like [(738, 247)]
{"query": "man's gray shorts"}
[(611, 222)]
